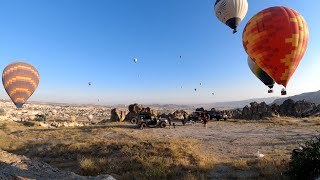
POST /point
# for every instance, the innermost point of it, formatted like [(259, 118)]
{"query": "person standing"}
[(184, 119), (205, 120), (170, 120)]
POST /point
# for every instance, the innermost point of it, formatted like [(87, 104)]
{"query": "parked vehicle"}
[(211, 115), (147, 121), (194, 116), (216, 115)]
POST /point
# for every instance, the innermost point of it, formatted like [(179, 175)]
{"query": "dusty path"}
[(243, 139)]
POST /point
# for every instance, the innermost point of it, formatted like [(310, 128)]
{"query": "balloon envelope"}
[(260, 74), (231, 12), (90, 117), (20, 80), (276, 40)]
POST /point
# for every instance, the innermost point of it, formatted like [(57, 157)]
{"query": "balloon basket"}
[(270, 91), (283, 92)]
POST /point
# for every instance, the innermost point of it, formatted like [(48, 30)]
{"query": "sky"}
[(74, 42)]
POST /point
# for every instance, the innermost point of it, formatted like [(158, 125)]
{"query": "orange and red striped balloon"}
[(276, 40), (20, 80)]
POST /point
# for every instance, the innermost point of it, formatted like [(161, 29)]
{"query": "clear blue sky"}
[(72, 42)]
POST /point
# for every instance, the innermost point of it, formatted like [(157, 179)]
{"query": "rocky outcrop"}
[(296, 109), (59, 124), (289, 107), (257, 111), (235, 114), (117, 115), (20, 167), (148, 110), (254, 111), (134, 110)]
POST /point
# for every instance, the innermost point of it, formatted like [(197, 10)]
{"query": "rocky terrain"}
[(279, 130), (289, 108), (20, 167)]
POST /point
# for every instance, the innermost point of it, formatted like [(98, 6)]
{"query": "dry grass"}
[(266, 168), (118, 149), (102, 149)]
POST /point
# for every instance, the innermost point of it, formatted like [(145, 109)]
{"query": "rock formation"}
[(117, 115), (289, 108), (296, 109), (20, 167)]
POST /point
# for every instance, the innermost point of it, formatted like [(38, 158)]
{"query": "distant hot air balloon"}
[(90, 117), (195, 89), (135, 60), (231, 12), (212, 93), (260, 74), (89, 83), (20, 80), (54, 112), (276, 40)]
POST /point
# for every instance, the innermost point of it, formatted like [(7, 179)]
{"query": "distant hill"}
[(313, 97), (235, 104), (216, 105)]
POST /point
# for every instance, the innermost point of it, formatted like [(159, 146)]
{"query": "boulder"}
[(235, 114), (117, 115), (130, 116), (257, 111), (297, 109), (136, 108), (21, 167)]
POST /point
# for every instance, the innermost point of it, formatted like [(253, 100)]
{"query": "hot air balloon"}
[(20, 80), (135, 60), (276, 40), (195, 89), (90, 117), (231, 12), (54, 112), (260, 74), (89, 83)]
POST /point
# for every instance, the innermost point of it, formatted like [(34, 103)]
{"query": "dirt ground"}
[(242, 139), (233, 144)]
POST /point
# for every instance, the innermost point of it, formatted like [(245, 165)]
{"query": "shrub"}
[(305, 161)]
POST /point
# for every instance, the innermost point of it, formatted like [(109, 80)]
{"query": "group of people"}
[(201, 118)]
